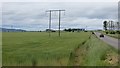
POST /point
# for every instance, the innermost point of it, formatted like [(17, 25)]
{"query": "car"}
[(101, 35), (93, 33)]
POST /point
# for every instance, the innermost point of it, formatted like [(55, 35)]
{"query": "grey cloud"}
[(76, 14)]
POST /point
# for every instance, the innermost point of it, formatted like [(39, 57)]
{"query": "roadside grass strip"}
[(94, 52)]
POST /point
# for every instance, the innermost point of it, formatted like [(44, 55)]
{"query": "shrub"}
[(112, 32), (106, 32), (118, 32), (85, 31)]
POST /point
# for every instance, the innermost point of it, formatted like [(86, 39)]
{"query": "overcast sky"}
[(59, 0), (32, 15)]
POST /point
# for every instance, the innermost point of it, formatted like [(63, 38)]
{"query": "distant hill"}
[(11, 30)]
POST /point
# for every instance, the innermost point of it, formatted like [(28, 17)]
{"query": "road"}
[(111, 41)]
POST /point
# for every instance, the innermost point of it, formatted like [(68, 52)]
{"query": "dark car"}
[(101, 35), (93, 33)]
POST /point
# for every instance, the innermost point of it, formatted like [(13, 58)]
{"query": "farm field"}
[(38, 49)]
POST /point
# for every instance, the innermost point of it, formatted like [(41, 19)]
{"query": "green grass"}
[(97, 51), (38, 49), (114, 35), (94, 52)]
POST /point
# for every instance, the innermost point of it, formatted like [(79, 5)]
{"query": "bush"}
[(112, 32), (118, 32), (85, 31), (106, 32)]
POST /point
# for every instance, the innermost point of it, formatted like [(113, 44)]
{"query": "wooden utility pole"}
[(59, 22), (50, 11), (49, 21)]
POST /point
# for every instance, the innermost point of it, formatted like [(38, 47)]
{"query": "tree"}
[(69, 29), (65, 29), (105, 25), (118, 25), (111, 25)]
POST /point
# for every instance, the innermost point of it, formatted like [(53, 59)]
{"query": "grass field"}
[(38, 49), (35, 48)]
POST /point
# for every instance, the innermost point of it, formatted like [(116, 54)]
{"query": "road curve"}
[(111, 41)]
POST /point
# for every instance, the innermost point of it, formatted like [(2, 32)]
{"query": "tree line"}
[(67, 30), (73, 30), (111, 25)]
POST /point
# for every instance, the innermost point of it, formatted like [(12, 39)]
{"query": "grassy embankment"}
[(94, 52)]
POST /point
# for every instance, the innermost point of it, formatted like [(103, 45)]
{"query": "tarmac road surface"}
[(107, 39)]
